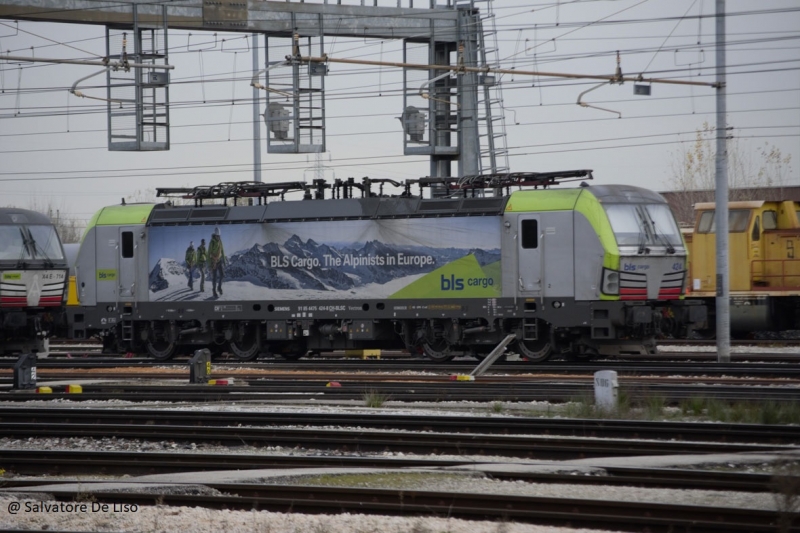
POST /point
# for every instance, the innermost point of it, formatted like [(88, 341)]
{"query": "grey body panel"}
[(529, 261), (141, 293), (589, 256), (85, 269), (549, 268), (508, 250), (107, 253), (126, 269), (556, 245)]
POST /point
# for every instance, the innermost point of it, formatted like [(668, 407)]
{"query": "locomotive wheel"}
[(536, 351), (438, 352), (248, 347), (160, 349)]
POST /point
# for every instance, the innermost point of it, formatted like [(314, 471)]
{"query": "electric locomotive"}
[(577, 272), (33, 278)]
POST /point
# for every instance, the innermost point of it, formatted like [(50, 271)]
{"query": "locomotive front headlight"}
[(610, 282)]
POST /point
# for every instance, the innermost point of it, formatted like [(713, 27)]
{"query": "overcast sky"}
[(53, 145)]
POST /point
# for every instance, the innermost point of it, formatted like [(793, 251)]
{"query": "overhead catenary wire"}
[(387, 89)]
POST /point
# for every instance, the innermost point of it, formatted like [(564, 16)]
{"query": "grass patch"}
[(373, 398), (639, 405), (749, 412), (382, 480), (693, 406), (653, 407)]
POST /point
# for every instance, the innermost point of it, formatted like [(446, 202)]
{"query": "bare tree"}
[(70, 229), (694, 167), (143, 196)]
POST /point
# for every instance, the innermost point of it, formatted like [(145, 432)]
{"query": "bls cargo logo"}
[(629, 267), (457, 284)]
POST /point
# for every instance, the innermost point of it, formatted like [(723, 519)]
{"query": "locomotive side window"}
[(706, 222), (127, 244), (770, 220), (738, 220), (756, 236), (530, 234)]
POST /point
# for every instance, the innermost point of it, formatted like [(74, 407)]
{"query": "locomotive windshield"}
[(644, 225), (29, 242)]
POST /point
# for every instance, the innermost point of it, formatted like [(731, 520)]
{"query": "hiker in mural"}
[(216, 261), (202, 258), (191, 260)]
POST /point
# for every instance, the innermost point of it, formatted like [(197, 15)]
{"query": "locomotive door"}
[(126, 264), (529, 253)]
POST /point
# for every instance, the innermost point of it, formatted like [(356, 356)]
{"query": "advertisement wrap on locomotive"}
[(576, 272), (351, 260), (33, 280)]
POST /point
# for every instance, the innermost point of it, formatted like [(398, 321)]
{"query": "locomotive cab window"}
[(643, 224), (706, 221), (29, 242), (127, 244), (738, 220), (530, 233)]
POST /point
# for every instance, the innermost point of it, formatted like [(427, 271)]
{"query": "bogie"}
[(246, 344)]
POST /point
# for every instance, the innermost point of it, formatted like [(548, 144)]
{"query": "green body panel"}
[(444, 282), (543, 200), (590, 207), (120, 215)]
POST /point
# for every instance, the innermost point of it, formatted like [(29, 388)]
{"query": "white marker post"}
[(605, 390)]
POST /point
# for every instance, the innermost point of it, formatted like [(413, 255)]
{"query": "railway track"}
[(372, 441), (72, 421), (356, 437), (407, 390), (608, 514), (83, 463), (425, 368)]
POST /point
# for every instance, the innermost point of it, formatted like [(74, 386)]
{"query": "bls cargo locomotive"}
[(33, 278), (575, 272)]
